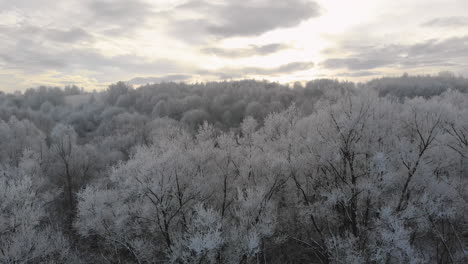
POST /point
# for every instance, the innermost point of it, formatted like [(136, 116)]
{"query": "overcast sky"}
[(92, 43)]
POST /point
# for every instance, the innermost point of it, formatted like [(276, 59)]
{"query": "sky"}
[(93, 43)]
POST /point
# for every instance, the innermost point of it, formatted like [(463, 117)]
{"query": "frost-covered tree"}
[(169, 195), (26, 234), (70, 166), (18, 136), (238, 172), (371, 178)]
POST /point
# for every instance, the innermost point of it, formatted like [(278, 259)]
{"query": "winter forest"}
[(237, 172)]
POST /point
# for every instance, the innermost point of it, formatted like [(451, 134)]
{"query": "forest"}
[(241, 172)]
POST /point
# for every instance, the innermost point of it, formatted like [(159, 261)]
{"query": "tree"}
[(72, 165), (18, 136), (26, 235)]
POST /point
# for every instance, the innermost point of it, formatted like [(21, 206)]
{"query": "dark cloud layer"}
[(70, 35), (233, 73), (228, 73), (33, 56), (248, 18), (456, 21), (118, 17), (446, 52), (252, 50), (42, 34), (359, 74), (242, 18), (356, 63), (159, 79)]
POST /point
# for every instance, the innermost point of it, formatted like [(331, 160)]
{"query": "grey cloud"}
[(118, 16), (441, 49), (271, 48), (109, 17), (35, 49), (29, 56), (112, 10), (359, 74), (355, 63), (293, 67), (456, 21), (252, 50), (32, 56), (244, 18), (164, 78), (447, 52), (228, 73), (282, 69), (26, 4), (191, 31), (42, 34), (71, 35)]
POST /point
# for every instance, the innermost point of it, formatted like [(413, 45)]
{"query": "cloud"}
[(359, 74), (252, 50), (70, 35), (159, 79), (250, 18), (242, 18), (31, 56), (26, 4), (43, 34), (118, 16), (355, 63), (109, 17), (435, 53), (292, 67), (233, 73), (112, 10), (37, 39), (455, 21)]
